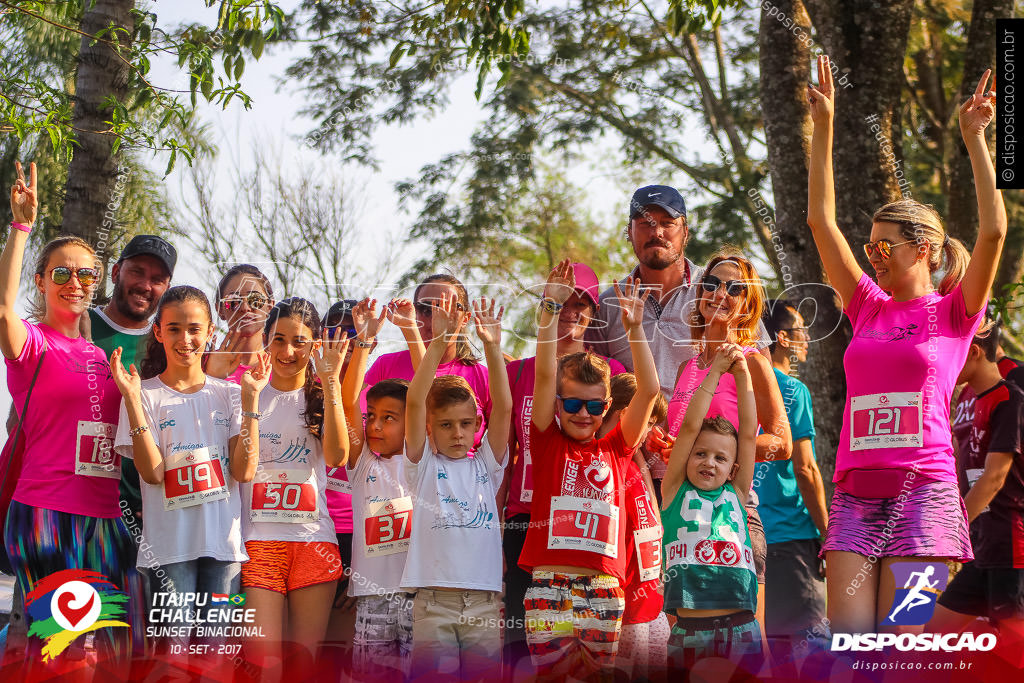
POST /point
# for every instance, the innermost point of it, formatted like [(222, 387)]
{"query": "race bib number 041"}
[(284, 496), (388, 526), (892, 420), (193, 478), (94, 451), (584, 524)]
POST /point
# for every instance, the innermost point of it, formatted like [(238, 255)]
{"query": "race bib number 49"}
[(388, 526), (284, 496), (892, 420), (94, 450), (193, 478), (584, 524)]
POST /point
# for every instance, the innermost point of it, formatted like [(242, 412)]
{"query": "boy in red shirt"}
[(575, 546)]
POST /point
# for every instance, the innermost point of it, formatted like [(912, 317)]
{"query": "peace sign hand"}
[(822, 99), (129, 383), (329, 357), (24, 201), (979, 109), (255, 378), (488, 324)]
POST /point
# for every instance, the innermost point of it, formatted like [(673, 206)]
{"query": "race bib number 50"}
[(94, 451), (193, 478), (892, 420), (584, 524), (388, 526), (284, 496)]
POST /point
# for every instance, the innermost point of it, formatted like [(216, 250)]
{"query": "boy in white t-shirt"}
[(454, 556)]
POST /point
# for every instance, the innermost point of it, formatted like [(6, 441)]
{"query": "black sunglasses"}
[(61, 275), (573, 405), (254, 299), (710, 283)]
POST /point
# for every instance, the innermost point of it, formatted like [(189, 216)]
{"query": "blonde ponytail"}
[(921, 222)]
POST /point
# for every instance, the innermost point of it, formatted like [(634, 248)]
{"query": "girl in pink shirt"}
[(896, 496)]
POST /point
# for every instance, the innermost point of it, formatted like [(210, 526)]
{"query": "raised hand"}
[(822, 99), (24, 201), (488, 324), (329, 357), (402, 314), (365, 318), (561, 282), (128, 382), (726, 356), (631, 301), (447, 321), (979, 109), (255, 378), (660, 443), (224, 359)]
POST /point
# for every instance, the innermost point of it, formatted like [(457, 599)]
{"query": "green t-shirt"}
[(108, 335), (709, 563)]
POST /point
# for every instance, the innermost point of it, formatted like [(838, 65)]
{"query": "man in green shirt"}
[(141, 276)]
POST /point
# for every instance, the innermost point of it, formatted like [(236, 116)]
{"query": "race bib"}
[(584, 524), (94, 450), (648, 552), (335, 482), (526, 489), (892, 420), (388, 526), (710, 533), (284, 496), (193, 478), (973, 475)]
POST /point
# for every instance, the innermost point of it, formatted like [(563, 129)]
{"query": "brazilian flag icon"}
[(237, 599)]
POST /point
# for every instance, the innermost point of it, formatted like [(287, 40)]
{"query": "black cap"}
[(338, 312), (664, 196), (152, 245)]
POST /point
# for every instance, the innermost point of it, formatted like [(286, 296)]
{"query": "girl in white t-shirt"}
[(294, 562), (190, 437)]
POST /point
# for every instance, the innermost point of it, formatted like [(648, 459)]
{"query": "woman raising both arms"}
[(909, 343)]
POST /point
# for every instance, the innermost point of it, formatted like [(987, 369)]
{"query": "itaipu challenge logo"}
[(71, 603)]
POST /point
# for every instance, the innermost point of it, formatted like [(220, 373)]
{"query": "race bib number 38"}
[(388, 526), (584, 524), (284, 496), (193, 478), (94, 451), (892, 420)]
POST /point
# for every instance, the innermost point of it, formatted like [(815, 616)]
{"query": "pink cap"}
[(586, 281)]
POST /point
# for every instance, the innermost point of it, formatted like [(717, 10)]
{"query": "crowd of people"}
[(640, 494)]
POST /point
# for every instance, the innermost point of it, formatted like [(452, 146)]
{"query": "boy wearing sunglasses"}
[(575, 545)]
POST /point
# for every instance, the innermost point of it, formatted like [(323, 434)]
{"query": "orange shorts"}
[(283, 566)]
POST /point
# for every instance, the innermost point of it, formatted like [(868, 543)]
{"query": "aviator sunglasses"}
[(884, 247), (254, 299), (61, 275), (710, 283)]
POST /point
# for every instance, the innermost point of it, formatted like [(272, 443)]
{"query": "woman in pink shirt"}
[(65, 512), (896, 498)]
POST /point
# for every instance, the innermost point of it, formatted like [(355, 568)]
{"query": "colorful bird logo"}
[(70, 603)]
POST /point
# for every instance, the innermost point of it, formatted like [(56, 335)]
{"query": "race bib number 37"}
[(193, 478), (388, 526), (94, 451), (284, 496), (892, 420), (584, 524)]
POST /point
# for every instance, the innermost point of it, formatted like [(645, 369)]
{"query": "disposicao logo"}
[(914, 603), (70, 603)]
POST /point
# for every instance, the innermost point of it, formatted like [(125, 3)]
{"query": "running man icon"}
[(916, 596), (914, 603)]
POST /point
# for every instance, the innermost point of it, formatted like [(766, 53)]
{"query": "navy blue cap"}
[(664, 196), (338, 312), (152, 245)]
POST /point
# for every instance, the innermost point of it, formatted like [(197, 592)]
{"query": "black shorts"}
[(345, 549), (995, 593), (795, 605), (757, 541)]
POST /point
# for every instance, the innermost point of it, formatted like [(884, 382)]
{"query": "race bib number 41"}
[(193, 478), (388, 526), (584, 524), (892, 420), (284, 496), (94, 450)]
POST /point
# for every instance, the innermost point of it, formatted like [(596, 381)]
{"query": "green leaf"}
[(239, 67), (397, 54), (257, 46)]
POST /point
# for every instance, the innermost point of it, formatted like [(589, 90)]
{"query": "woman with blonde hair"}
[(896, 497)]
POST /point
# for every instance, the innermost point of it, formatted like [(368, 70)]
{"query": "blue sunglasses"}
[(573, 405)]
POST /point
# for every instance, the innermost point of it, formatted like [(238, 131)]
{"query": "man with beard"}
[(141, 276)]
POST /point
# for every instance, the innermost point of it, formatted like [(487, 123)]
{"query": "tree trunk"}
[(785, 59), (93, 169)]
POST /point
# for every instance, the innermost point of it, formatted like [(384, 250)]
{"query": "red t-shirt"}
[(644, 599), (963, 410), (576, 517)]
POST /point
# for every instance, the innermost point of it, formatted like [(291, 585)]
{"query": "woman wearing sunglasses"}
[(64, 513), (244, 298), (896, 496), (728, 308)]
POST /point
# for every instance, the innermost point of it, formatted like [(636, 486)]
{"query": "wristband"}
[(21, 226), (551, 306), (249, 413), (137, 430), (365, 344)]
